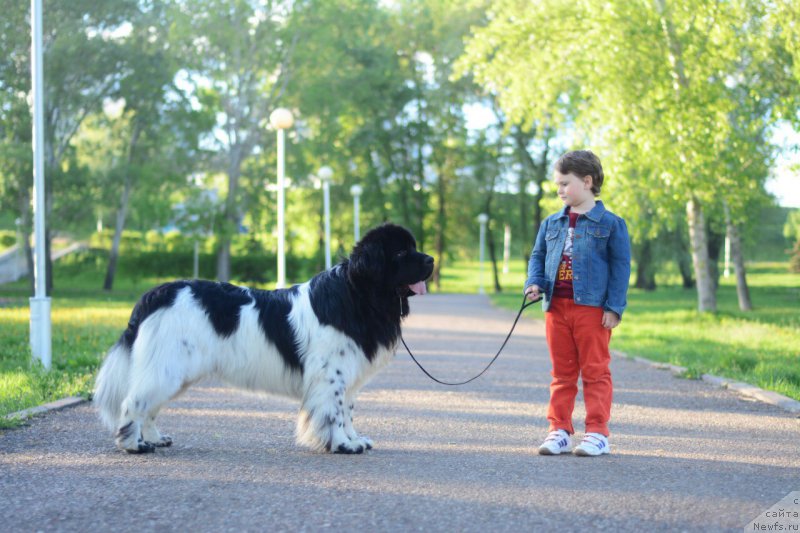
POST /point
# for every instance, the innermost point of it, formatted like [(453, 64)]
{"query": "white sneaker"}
[(556, 442), (593, 444)]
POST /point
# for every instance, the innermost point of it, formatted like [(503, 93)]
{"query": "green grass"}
[(83, 328), (761, 347)]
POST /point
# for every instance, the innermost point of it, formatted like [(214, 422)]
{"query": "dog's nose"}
[(428, 260)]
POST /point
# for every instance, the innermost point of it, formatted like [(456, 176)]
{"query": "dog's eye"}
[(401, 254)]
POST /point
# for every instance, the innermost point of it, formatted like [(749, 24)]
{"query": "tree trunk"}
[(440, 231), (683, 257), (706, 298), (742, 290), (538, 171), (224, 259), (230, 224), (48, 254), (493, 256), (26, 239), (24, 228), (716, 241), (540, 179), (645, 267), (50, 165), (122, 214), (522, 194), (419, 202)]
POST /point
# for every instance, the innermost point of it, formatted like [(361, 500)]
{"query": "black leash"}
[(525, 305)]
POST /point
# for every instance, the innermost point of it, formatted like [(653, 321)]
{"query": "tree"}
[(662, 85), (16, 170), (240, 56)]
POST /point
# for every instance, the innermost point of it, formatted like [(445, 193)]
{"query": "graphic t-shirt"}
[(563, 286)]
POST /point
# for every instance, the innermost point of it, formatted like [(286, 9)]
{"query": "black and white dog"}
[(318, 342)]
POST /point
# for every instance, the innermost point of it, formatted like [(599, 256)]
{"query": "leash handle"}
[(524, 306)]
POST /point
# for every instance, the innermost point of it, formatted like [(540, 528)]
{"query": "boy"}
[(581, 266)]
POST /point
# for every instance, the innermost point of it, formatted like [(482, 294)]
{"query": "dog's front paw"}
[(142, 447), (348, 447), (163, 442), (366, 442)]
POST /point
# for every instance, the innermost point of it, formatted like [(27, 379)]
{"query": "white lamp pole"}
[(483, 218), (356, 191), (325, 175), (727, 271), (41, 345), (281, 119)]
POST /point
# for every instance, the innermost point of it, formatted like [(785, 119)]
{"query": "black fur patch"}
[(336, 304), (222, 303), (273, 316), (150, 302)]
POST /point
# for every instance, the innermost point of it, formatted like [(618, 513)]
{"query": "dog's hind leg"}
[(151, 434), (138, 433)]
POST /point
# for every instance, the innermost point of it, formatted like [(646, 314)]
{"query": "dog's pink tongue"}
[(419, 288)]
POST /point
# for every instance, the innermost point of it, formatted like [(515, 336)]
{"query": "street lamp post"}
[(281, 119), (41, 341), (483, 218), (325, 175), (356, 191)]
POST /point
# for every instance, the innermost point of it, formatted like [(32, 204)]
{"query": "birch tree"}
[(659, 76)]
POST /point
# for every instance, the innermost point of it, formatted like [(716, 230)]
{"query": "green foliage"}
[(791, 229), (763, 241), (141, 265), (7, 239)]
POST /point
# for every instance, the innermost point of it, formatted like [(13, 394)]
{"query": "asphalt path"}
[(685, 456)]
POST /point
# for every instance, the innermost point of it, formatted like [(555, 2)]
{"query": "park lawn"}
[(83, 329), (761, 347)]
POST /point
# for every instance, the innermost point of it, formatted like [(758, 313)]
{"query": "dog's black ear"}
[(366, 261)]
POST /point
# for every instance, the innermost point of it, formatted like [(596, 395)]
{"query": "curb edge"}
[(745, 389), (57, 405)]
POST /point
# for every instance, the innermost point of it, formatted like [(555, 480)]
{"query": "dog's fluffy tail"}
[(112, 384)]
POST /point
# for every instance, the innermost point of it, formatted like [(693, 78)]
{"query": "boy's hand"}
[(532, 293), (610, 319)]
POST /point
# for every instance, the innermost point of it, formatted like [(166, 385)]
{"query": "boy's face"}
[(572, 189)]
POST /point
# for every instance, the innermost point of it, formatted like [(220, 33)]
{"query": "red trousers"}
[(578, 345)]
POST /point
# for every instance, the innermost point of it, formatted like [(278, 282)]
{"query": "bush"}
[(7, 239), (252, 267), (130, 241)]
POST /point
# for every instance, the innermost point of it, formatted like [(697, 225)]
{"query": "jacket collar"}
[(595, 214)]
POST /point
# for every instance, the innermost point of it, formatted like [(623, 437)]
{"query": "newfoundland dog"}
[(318, 342)]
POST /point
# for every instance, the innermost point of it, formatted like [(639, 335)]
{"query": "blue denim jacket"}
[(601, 258)]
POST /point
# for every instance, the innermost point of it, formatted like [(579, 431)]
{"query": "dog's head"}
[(387, 256)]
